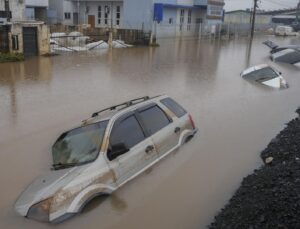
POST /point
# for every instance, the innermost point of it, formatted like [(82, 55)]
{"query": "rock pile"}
[(270, 197)]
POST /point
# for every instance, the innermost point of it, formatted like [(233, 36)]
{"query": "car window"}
[(78, 146), (174, 107), (128, 131), (263, 74), (154, 119)]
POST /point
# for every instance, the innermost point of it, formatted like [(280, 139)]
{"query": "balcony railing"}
[(5, 14), (200, 2)]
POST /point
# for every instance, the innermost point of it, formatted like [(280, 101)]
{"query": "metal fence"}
[(234, 30), (129, 36)]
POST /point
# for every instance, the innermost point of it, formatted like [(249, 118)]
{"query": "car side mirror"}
[(117, 150)]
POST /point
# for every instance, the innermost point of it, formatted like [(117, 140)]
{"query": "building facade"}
[(244, 17), (19, 35), (166, 18), (36, 10)]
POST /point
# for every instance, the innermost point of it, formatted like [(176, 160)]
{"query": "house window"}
[(189, 21), (181, 20), (6, 5), (199, 20), (215, 10), (118, 15), (67, 16), (106, 14), (99, 14), (170, 20)]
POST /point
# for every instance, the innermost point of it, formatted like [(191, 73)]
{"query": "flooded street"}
[(42, 97)]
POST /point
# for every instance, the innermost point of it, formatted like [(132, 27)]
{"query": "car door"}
[(141, 152), (160, 126)]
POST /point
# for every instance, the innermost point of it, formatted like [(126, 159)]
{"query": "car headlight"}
[(40, 211)]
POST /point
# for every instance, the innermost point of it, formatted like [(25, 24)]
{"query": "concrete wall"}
[(164, 28), (39, 3), (43, 37), (138, 14), (244, 18), (1, 5), (18, 9)]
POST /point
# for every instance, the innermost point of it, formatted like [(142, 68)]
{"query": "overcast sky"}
[(263, 4)]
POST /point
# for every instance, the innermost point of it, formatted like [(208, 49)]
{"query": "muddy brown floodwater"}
[(42, 97)]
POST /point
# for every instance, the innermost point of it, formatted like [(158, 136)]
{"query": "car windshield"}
[(78, 146), (261, 75)]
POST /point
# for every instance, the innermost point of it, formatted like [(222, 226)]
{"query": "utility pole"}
[(253, 18)]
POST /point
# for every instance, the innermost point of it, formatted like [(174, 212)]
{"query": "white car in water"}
[(285, 31), (265, 75), (112, 147)]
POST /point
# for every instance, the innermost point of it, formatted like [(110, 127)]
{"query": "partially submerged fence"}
[(129, 36), (234, 30)]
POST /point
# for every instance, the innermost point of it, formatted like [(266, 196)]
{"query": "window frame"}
[(149, 106), (119, 120), (67, 15), (99, 14), (118, 15)]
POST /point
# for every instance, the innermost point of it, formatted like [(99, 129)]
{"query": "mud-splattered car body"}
[(136, 135), (286, 54), (265, 75)]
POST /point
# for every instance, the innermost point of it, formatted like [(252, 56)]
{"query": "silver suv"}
[(112, 147)]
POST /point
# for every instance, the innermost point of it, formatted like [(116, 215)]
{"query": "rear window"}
[(154, 119), (174, 107)]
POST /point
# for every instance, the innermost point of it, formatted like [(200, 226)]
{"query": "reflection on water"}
[(43, 97), (33, 70)]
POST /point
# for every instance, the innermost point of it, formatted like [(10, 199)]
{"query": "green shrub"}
[(11, 57)]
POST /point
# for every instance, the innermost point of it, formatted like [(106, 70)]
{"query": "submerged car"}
[(107, 150), (282, 30), (287, 54), (265, 75)]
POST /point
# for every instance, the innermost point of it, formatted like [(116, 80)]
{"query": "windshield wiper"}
[(63, 166)]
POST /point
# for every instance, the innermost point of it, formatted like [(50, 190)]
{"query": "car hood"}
[(45, 187)]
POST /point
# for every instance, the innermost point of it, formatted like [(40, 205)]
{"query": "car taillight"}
[(192, 121)]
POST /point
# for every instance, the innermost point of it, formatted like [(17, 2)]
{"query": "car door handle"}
[(177, 130), (149, 149)]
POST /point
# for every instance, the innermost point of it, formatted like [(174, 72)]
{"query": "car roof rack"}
[(122, 105)]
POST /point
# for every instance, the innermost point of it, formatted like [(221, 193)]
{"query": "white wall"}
[(18, 10), (40, 3), (1, 5)]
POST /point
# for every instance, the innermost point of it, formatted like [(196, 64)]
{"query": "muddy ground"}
[(270, 197)]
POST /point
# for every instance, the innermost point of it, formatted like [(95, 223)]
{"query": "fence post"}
[(110, 39), (200, 30)]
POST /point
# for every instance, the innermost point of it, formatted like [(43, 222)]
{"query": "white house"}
[(166, 18)]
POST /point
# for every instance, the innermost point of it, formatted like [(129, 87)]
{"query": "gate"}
[(30, 45), (4, 46)]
